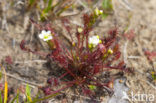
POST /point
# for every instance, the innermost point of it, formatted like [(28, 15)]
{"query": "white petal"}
[(45, 39), (41, 36), (43, 32), (50, 37), (90, 40), (48, 32), (101, 11), (94, 40)]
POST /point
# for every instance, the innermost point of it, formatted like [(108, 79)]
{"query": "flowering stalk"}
[(47, 36)]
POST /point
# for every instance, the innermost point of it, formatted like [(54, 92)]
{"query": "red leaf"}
[(22, 45), (121, 64), (113, 32), (56, 82), (37, 25), (47, 90), (96, 69), (150, 55), (8, 59), (117, 55), (129, 35), (87, 92)]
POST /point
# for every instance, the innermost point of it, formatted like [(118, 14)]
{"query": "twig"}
[(5, 7), (77, 23), (125, 52), (19, 3), (85, 6), (69, 14), (151, 84), (126, 4), (97, 4), (133, 57), (20, 79), (31, 61)]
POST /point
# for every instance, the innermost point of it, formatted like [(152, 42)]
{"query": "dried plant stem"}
[(20, 79), (125, 52), (6, 85), (30, 61)]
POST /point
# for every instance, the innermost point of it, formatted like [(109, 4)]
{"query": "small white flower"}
[(45, 35), (94, 40)]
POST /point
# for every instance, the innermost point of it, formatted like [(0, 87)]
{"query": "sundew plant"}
[(86, 59)]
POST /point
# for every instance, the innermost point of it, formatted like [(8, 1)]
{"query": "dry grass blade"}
[(6, 86), (126, 4), (20, 79)]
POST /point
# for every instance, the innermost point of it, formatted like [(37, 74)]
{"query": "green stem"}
[(52, 95), (45, 98)]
